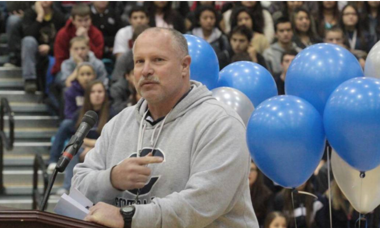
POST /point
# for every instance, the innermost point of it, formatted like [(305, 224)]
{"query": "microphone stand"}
[(61, 166)]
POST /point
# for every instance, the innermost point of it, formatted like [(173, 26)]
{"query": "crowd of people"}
[(79, 54)]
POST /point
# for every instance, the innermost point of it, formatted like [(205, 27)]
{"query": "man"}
[(123, 40), (242, 48), (40, 25), (179, 153), (286, 60), (284, 35), (78, 25)]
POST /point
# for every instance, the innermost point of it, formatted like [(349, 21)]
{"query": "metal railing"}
[(38, 164), (6, 140)]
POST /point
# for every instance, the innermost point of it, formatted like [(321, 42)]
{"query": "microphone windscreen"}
[(90, 117)]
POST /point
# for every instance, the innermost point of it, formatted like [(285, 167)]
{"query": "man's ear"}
[(186, 61)]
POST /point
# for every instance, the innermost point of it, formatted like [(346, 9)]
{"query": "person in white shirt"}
[(123, 40)]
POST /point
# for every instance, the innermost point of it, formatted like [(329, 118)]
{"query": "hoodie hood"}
[(216, 33), (198, 94)]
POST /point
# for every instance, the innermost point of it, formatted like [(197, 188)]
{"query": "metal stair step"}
[(11, 83), (28, 189), (26, 160), (26, 107), (25, 202), (35, 121), (32, 133), (27, 147), (24, 177), (20, 96), (11, 72)]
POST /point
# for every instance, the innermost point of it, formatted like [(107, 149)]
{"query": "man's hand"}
[(77, 59), (133, 173), (43, 49), (106, 215), (81, 31), (19, 13), (40, 11)]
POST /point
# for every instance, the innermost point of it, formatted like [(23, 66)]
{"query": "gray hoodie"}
[(68, 67), (273, 55), (203, 180)]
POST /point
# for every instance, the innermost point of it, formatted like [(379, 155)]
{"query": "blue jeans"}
[(69, 172), (29, 51), (65, 131)]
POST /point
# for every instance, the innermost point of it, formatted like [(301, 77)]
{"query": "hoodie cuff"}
[(105, 184)]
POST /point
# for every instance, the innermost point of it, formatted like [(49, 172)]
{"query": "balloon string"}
[(295, 220), (361, 217), (329, 181), (308, 194)]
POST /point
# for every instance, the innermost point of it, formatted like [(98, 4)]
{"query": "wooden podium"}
[(17, 218)]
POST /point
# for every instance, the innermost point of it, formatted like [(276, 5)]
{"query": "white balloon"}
[(363, 193), (237, 100), (372, 63)]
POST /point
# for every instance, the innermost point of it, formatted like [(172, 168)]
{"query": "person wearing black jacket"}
[(40, 25), (104, 17)]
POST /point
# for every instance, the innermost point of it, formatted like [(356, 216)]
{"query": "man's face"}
[(287, 60), (334, 37), (84, 22), (284, 32), (100, 4), (161, 74), (239, 43), (80, 49), (138, 18)]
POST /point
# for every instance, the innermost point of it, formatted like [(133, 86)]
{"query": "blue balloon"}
[(352, 122), (318, 70), (204, 65), (286, 139), (250, 78)]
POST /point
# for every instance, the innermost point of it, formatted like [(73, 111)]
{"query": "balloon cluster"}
[(326, 97)]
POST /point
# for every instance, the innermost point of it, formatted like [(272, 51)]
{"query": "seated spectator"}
[(276, 220), (261, 196), (123, 92), (371, 12), (40, 25), (350, 22), (328, 16), (306, 208), (108, 22), (303, 32), (78, 25), (336, 36), (263, 19), (162, 15), (284, 9), (240, 43), (286, 60), (95, 99), (207, 29), (190, 18), (242, 16), (120, 66), (284, 35), (80, 52), (123, 40), (13, 30), (73, 102)]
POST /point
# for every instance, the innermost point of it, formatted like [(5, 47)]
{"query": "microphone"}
[(76, 141)]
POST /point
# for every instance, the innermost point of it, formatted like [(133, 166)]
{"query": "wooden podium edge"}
[(44, 217)]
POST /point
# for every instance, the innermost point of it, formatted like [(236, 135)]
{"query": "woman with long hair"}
[(95, 99), (302, 23), (350, 22), (328, 16), (371, 17), (261, 196), (161, 14), (276, 219), (305, 209), (243, 16)]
